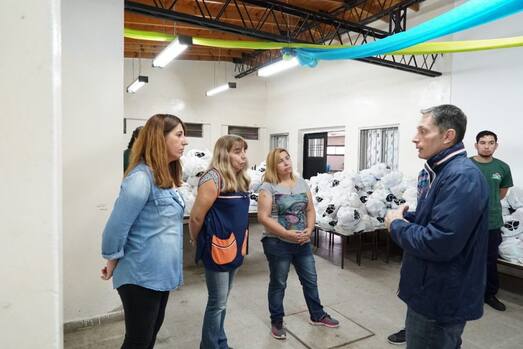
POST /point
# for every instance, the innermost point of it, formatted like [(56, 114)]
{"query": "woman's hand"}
[(305, 236), (294, 236), (107, 271)]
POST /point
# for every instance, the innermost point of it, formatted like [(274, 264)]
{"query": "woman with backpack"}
[(219, 225)]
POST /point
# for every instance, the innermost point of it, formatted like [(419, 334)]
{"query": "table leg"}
[(360, 246), (374, 245), (343, 248), (387, 238)]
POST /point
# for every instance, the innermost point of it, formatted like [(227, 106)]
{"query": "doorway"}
[(314, 154), (323, 152)]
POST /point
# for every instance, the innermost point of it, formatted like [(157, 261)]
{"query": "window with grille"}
[(315, 149), (194, 130), (245, 132), (379, 145), (279, 141)]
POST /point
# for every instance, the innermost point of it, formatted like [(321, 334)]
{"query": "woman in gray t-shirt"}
[(286, 211)]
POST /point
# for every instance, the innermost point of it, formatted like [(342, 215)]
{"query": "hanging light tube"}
[(220, 89), (137, 84), (278, 67), (175, 48)]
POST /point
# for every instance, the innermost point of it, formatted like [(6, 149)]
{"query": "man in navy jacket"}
[(445, 241)]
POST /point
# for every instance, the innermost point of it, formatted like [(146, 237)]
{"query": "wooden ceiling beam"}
[(192, 50), (195, 32), (134, 48), (232, 15), (189, 6), (372, 7), (185, 57)]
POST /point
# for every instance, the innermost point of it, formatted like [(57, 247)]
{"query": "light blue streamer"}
[(468, 15)]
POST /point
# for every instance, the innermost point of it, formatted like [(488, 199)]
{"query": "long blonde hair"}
[(271, 163), (232, 181), (150, 148)]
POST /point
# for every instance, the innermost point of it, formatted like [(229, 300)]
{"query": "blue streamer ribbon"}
[(468, 15)]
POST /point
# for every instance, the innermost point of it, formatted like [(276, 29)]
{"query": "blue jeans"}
[(280, 255), (423, 333), (219, 285)]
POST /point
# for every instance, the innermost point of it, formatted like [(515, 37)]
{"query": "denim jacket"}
[(145, 233)]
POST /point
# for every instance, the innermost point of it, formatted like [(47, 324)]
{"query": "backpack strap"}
[(219, 183)]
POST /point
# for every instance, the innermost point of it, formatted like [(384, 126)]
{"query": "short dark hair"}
[(135, 134), (486, 133), (448, 116)]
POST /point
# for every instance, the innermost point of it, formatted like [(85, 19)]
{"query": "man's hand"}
[(392, 215)]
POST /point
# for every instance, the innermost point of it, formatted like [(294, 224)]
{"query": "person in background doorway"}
[(127, 152), (219, 224), (498, 176), (445, 241), (143, 238), (287, 213)]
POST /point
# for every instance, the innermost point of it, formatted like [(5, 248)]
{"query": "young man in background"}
[(498, 176)]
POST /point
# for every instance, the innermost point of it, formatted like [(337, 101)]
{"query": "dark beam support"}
[(413, 64), (199, 21), (387, 11), (398, 21), (294, 24), (318, 17)]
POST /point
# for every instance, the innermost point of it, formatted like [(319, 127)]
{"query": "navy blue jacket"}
[(443, 271)]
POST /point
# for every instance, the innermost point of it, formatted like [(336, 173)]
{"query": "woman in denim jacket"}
[(143, 238)]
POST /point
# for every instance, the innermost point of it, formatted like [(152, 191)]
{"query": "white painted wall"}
[(349, 95), (30, 188), (92, 149), (354, 95), (488, 86), (180, 89)]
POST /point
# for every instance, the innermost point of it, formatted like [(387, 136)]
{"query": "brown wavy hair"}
[(232, 181), (271, 164), (150, 148)]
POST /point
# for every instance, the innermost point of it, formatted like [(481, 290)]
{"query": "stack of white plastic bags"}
[(357, 202), (195, 162), (511, 248), (256, 175)]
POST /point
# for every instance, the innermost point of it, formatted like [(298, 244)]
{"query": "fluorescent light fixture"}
[(278, 67), (140, 81), (172, 51), (220, 89)]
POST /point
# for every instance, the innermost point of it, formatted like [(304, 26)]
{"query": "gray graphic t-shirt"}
[(289, 205)]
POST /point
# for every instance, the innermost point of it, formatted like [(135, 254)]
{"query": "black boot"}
[(495, 303)]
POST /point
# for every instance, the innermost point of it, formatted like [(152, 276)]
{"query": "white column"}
[(92, 147), (31, 177)]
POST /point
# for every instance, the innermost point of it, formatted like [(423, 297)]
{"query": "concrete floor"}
[(362, 297)]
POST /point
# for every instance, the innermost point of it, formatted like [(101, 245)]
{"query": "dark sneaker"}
[(327, 321), (397, 338), (278, 331), (495, 303)]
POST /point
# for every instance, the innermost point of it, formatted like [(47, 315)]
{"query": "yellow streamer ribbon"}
[(424, 48)]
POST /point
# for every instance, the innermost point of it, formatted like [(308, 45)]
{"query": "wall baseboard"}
[(76, 325)]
